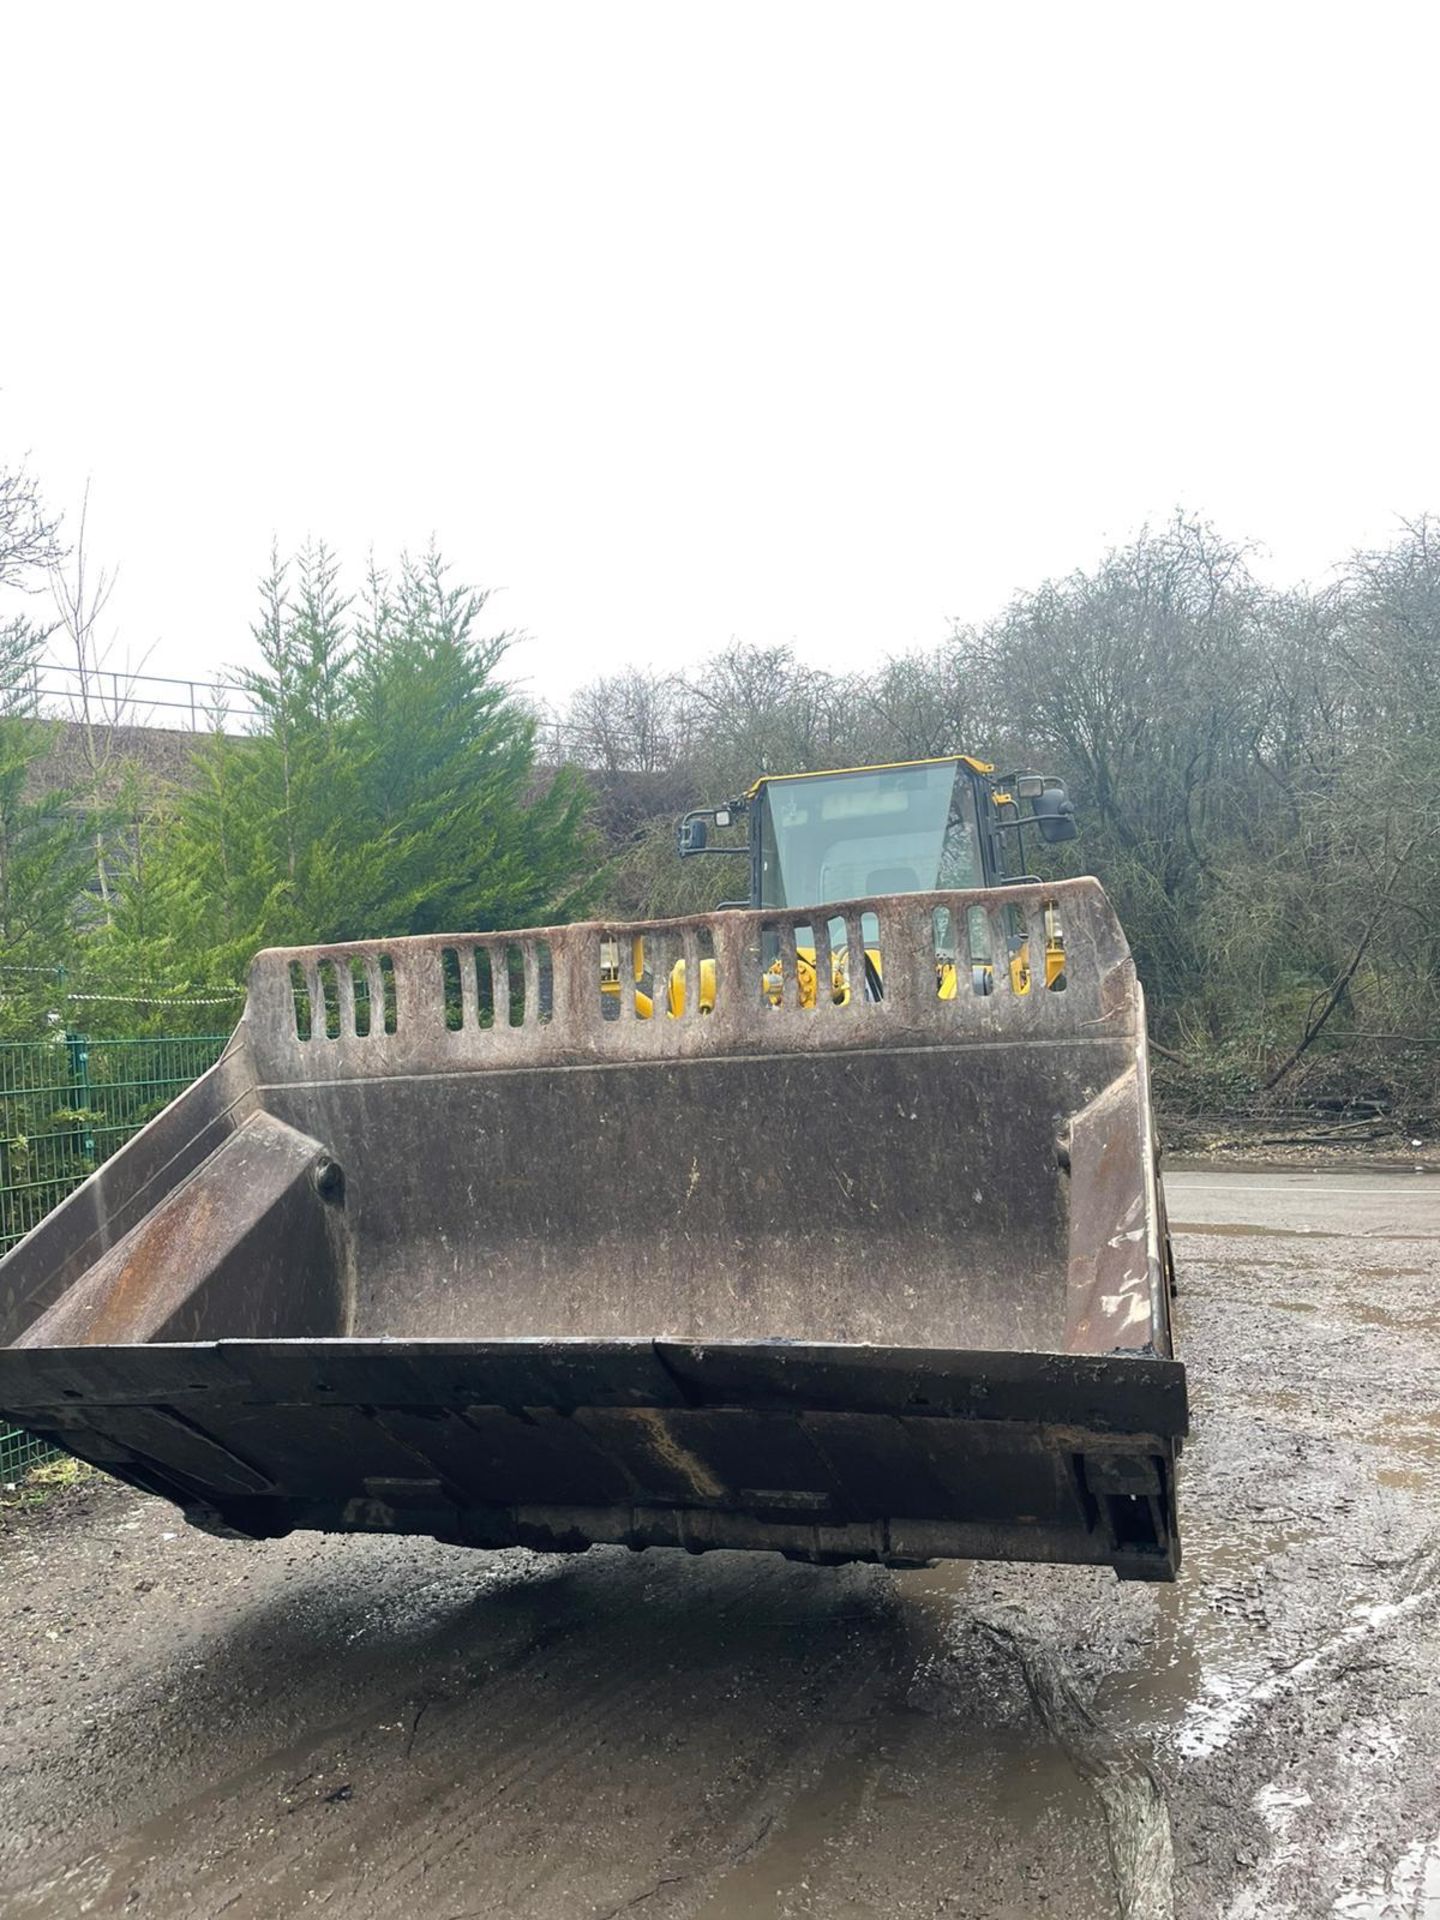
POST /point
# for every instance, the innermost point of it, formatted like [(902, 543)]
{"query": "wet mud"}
[(386, 1729)]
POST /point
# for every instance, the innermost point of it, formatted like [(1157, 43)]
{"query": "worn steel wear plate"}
[(461, 1238)]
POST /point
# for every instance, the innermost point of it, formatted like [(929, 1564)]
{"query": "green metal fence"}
[(18, 1453), (66, 1104)]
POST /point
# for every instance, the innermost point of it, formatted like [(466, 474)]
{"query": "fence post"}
[(79, 1050)]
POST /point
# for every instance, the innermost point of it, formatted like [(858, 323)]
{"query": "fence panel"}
[(66, 1104)]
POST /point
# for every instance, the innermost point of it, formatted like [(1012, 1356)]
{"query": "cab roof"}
[(883, 766)]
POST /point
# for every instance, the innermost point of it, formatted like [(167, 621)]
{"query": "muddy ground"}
[(393, 1730)]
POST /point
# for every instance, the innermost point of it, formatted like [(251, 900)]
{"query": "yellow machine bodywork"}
[(675, 987)]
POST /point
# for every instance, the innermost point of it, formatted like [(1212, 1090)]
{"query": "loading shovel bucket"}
[(476, 1237)]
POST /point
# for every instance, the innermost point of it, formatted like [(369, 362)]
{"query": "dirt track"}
[(386, 1729)]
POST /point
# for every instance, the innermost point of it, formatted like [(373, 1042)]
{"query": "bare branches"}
[(81, 594), (1325, 1004), (29, 545), (630, 722), (29, 535)]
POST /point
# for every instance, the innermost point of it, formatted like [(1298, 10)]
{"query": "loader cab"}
[(821, 837), (912, 827)]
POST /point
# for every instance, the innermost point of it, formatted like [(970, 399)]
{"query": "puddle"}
[(1402, 1319), (74, 1890), (1253, 1230), (1214, 1654), (1410, 1427), (1284, 1400), (797, 1858), (811, 1829), (1240, 1230), (1298, 1173), (1416, 1433), (1408, 1315), (1218, 1655), (1207, 1648), (792, 1863), (1210, 1644), (1408, 1479), (1398, 1273), (931, 1597)]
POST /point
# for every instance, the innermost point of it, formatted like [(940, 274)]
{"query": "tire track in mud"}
[(1137, 1818), (449, 1815), (491, 1733), (528, 1758), (1310, 1814), (571, 1742), (1418, 1592), (329, 1722), (228, 1804)]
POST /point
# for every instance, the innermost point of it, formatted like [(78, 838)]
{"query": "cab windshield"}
[(845, 836)]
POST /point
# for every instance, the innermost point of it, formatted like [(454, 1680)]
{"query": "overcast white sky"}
[(807, 323)]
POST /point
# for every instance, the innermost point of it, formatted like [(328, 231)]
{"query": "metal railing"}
[(110, 698), (66, 1104)]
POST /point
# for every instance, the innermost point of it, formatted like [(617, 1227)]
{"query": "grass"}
[(42, 1483)]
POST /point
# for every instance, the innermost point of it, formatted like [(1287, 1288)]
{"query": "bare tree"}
[(630, 722), (29, 547), (29, 535), (81, 593)]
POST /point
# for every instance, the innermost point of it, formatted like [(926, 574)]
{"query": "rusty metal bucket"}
[(454, 1240)]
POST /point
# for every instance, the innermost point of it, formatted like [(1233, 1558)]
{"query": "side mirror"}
[(1054, 815), (693, 837)]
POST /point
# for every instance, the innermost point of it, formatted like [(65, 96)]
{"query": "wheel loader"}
[(826, 1223), (962, 814)]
